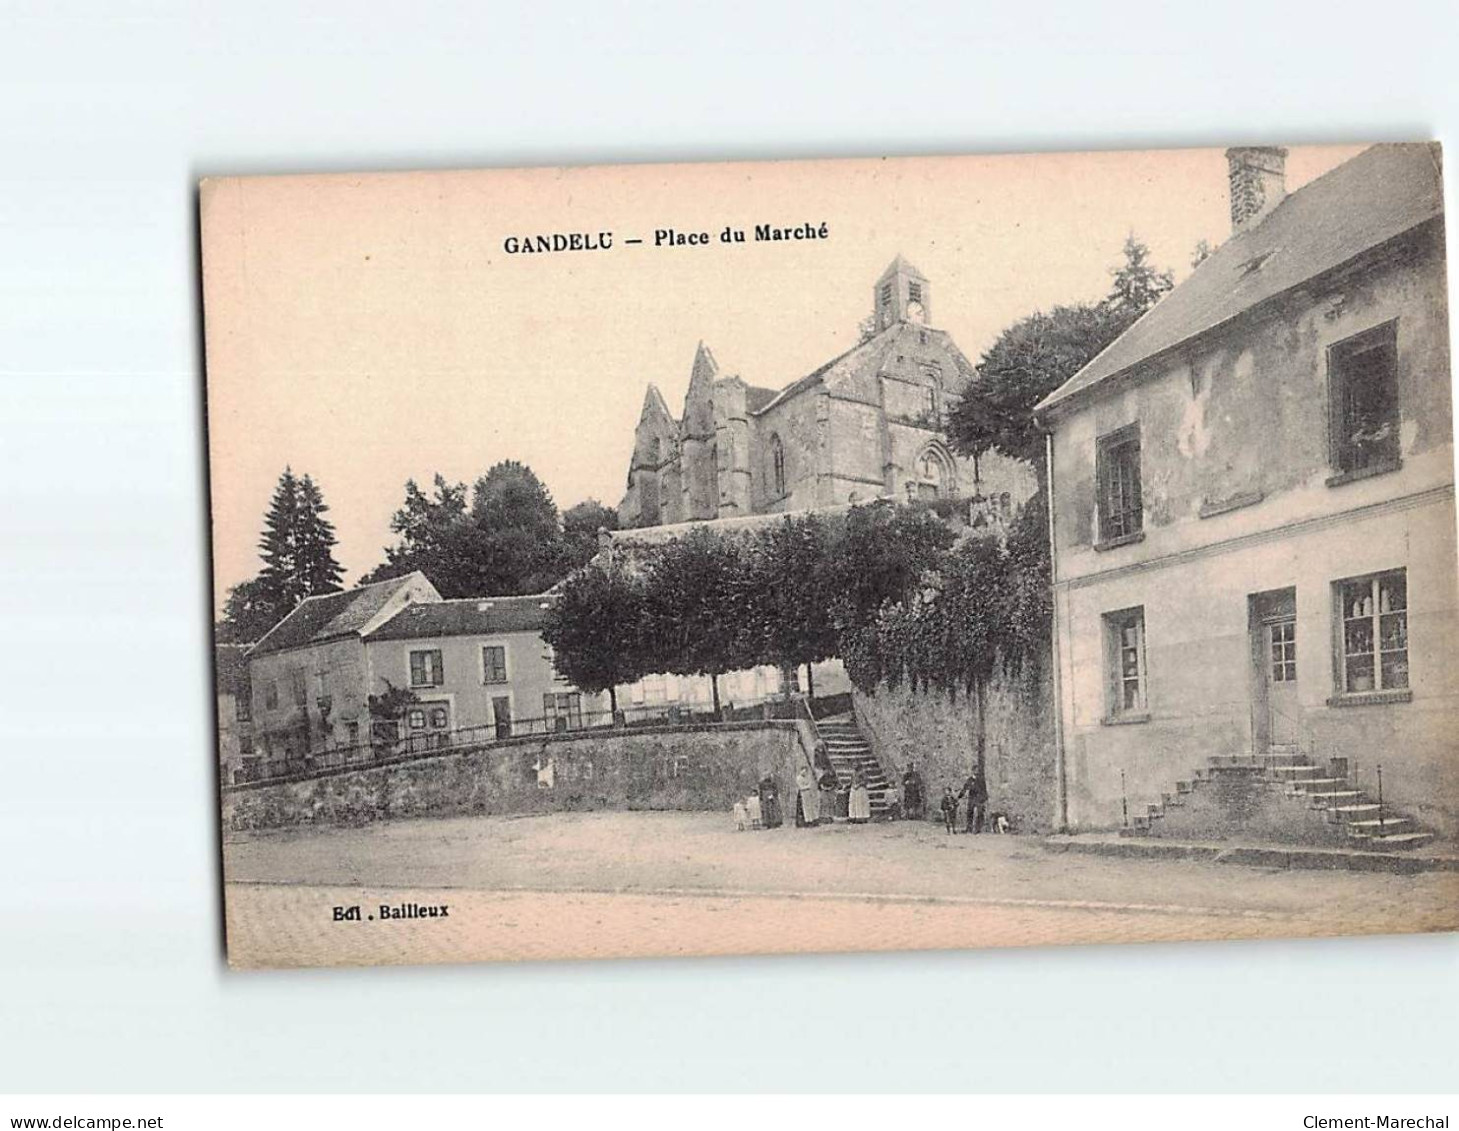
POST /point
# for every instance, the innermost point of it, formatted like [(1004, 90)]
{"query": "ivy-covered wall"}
[(940, 734), (692, 768)]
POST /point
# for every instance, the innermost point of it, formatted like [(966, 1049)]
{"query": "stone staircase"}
[(1283, 797), (848, 751)]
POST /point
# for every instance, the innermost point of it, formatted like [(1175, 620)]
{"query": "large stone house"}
[(1253, 505), (865, 425)]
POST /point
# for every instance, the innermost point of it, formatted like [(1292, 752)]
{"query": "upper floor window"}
[(777, 465), (494, 663), (271, 695), (914, 292), (1374, 612), (1117, 468), (426, 669), (299, 687), (1363, 392), (886, 294), (1125, 659), (242, 708)]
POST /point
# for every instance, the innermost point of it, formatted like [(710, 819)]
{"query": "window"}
[(1125, 644), (563, 710), (914, 292), (426, 669), (352, 733), (438, 718), (1374, 646), (1284, 652), (1117, 467), (886, 294), (298, 688), (777, 465), (494, 663), (416, 720), (271, 695), (242, 709), (1363, 392)]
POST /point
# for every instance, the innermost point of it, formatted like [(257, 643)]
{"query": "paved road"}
[(618, 884)]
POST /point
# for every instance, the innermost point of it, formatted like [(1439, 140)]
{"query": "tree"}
[(1201, 253), (789, 585), (316, 570), (506, 542), (1038, 353), (279, 578), (580, 526), (595, 630), (694, 609), (249, 612), (1137, 285), (297, 548)]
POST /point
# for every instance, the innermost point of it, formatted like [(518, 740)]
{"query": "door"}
[(1283, 706), (501, 711)]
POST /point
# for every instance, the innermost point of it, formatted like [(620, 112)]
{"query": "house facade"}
[(865, 425), (235, 711), (309, 675), (477, 665), (1253, 504), (473, 669)]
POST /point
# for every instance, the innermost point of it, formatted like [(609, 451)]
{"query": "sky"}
[(369, 329)]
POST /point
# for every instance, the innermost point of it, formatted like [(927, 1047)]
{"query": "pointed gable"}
[(698, 418)]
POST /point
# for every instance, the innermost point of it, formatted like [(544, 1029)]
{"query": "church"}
[(865, 425)]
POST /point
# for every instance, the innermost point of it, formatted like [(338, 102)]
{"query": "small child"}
[(949, 809), (742, 818)]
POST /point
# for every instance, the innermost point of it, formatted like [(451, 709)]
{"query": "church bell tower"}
[(901, 295)]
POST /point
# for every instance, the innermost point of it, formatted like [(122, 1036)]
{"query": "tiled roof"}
[(1379, 194), (328, 617), (471, 616), (757, 398)]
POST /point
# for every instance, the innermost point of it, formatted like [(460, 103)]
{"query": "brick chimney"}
[(1258, 182)]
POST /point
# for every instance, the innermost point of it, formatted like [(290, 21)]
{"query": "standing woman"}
[(808, 800), (859, 808)]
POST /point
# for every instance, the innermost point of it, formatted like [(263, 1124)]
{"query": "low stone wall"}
[(704, 767), (941, 735)]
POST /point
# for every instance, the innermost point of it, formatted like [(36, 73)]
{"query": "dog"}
[(998, 823)]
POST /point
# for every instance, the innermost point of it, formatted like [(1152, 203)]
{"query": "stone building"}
[(1253, 503), (865, 425)]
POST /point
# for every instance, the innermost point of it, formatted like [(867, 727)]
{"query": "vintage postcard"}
[(833, 555)]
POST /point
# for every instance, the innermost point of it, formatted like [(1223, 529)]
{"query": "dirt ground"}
[(649, 884)]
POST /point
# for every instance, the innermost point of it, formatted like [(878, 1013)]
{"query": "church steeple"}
[(901, 295)]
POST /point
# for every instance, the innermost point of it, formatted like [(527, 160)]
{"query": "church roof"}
[(1379, 194), (900, 266)]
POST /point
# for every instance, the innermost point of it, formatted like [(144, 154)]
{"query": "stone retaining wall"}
[(704, 767)]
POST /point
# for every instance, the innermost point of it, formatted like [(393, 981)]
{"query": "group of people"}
[(819, 800), (974, 792)]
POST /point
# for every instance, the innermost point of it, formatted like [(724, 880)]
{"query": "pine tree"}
[(315, 569), (278, 581)]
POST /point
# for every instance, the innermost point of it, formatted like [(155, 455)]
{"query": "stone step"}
[(1296, 770), (1375, 827), (1355, 812), (1317, 785), (1398, 841), (1336, 797)]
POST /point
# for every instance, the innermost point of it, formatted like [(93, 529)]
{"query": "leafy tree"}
[(595, 629), (506, 542), (249, 612), (1201, 253), (695, 609), (789, 584), (878, 554), (580, 526), (1038, 353)]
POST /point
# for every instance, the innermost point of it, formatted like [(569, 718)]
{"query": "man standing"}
[(975, 789), (914, 799)]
